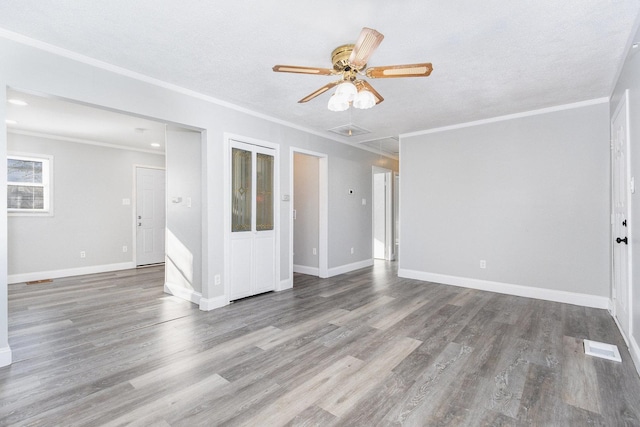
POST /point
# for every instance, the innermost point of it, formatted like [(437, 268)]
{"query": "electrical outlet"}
[(125, 249), (217, 279), (83, 254), (315, 251), (483, 263), (351, 251)]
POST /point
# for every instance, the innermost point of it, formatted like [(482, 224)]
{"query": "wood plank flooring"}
[(361, 349)]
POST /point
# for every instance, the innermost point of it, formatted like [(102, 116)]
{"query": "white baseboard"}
[(68, 272), (207, 304), (585, 300), (303, 269), (182, 292), (5, 356), (350, 267), (285, 284)]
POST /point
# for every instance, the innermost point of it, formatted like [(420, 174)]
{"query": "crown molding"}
[(28, 41), (563, 107)]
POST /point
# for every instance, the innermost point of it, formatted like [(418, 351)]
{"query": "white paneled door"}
[(253, 244), (621, 227), (150, 215)]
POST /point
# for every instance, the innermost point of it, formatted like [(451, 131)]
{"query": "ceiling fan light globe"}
[(338, 103), (364, 100), (348, 90)]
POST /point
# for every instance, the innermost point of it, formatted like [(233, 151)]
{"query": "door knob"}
[(619, 240)]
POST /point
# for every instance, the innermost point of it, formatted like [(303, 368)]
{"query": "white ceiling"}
[(80, 123), (490, 58)]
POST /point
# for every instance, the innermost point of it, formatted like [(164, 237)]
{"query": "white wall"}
[(30, 66), (184, 214), (306, 191), (379, 216), (530, 195), (630, 79), (89, 185)]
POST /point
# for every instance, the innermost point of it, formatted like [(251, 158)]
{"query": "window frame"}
[(47, 184)]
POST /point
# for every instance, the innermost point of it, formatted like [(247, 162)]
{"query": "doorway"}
[(309, 213), (92, 154), (383, 208), (621, 226)]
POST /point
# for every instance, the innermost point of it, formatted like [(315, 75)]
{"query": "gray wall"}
[(630, 79), (306, 191), (89, 183), (350, 222), (184, 217), (121, 90), (529, 195)]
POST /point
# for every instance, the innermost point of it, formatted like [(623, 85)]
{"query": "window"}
[(28, 184)]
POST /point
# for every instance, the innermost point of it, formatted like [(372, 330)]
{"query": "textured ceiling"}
[(490, 58)]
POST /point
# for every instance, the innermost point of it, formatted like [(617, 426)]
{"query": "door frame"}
[(396, 215), (622, 108), (134, 202), (323, 213), (226, 206)]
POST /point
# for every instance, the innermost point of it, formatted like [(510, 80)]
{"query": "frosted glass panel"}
[(241, 190), (264, 193)]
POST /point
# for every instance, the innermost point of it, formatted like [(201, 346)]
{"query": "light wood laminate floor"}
[(360, 349)]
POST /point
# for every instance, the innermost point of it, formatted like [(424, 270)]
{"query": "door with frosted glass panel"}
[(253, 255)]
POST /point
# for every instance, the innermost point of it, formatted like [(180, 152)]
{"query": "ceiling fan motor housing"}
[(340, 60)]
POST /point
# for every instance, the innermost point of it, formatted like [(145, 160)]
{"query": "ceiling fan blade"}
[(375, 93), (302, 70), (367, 43), (320, 91), (409, 70)]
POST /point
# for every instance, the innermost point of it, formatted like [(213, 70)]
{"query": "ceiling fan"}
[(350, 62)]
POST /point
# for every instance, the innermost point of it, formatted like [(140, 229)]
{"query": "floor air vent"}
[(602, 350)]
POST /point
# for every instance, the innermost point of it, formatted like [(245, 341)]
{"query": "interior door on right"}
[(620, 226)]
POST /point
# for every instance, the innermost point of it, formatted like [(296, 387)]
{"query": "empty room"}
[(335, 214)]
